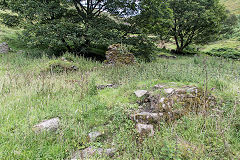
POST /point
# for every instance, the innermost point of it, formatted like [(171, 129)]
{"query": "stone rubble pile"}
[(168, 104)]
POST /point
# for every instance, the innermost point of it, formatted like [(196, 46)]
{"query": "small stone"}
[(145, 129), (192, 90), (94, 135), (169, 90), (74, 67), (140, 93), (159, 86), (106, 86), (47, 125), (88, 152), (64, 59), (162, 100), (117, 54)]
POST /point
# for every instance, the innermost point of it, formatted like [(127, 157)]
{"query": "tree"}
[(154, 18), (195, 21), (71, 25), (186, 21)]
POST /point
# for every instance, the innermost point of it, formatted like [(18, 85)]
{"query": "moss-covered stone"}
[(59, 66)]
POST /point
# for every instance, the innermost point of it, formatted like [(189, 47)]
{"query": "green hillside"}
[(232, 5)]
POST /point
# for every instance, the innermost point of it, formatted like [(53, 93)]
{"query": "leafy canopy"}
[(196, 21), (186, 21), (71, 25)]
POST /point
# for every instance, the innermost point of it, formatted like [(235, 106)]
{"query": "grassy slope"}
[(228, 43), (232, 5), (27, 97)]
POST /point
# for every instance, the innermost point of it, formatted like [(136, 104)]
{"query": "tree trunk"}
[(179, 50), (68, 47)]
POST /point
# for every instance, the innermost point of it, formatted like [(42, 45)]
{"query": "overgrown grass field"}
[(29, 96)]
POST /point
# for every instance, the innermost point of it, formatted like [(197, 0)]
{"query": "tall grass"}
[(27, 97)]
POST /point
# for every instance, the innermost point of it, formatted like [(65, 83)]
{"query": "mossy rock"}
[(59, 66)]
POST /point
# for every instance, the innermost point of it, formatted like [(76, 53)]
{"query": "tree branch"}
[(100, 10), (80, 4)]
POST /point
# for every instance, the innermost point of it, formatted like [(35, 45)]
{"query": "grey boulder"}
[(47, 125)]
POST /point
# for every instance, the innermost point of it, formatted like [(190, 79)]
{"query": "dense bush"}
[(61, 26), (225, 52), (10, 20), (143, 47)]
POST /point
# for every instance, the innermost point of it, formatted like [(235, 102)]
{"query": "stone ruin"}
[(168, 104), (118, 54)]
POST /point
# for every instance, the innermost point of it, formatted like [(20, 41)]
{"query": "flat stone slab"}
[(140, 93), (147, 117), (145, 129), (158, 86), (47, 125)]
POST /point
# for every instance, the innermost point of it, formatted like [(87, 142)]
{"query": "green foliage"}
[(230, 23), (57, 37), (155, 18), (225, 52), (143, 47), (187, 21), (92, 87), (196, 21), (61, 26), (9, 20)]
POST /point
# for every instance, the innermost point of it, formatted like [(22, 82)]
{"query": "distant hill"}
[(232, 5)]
